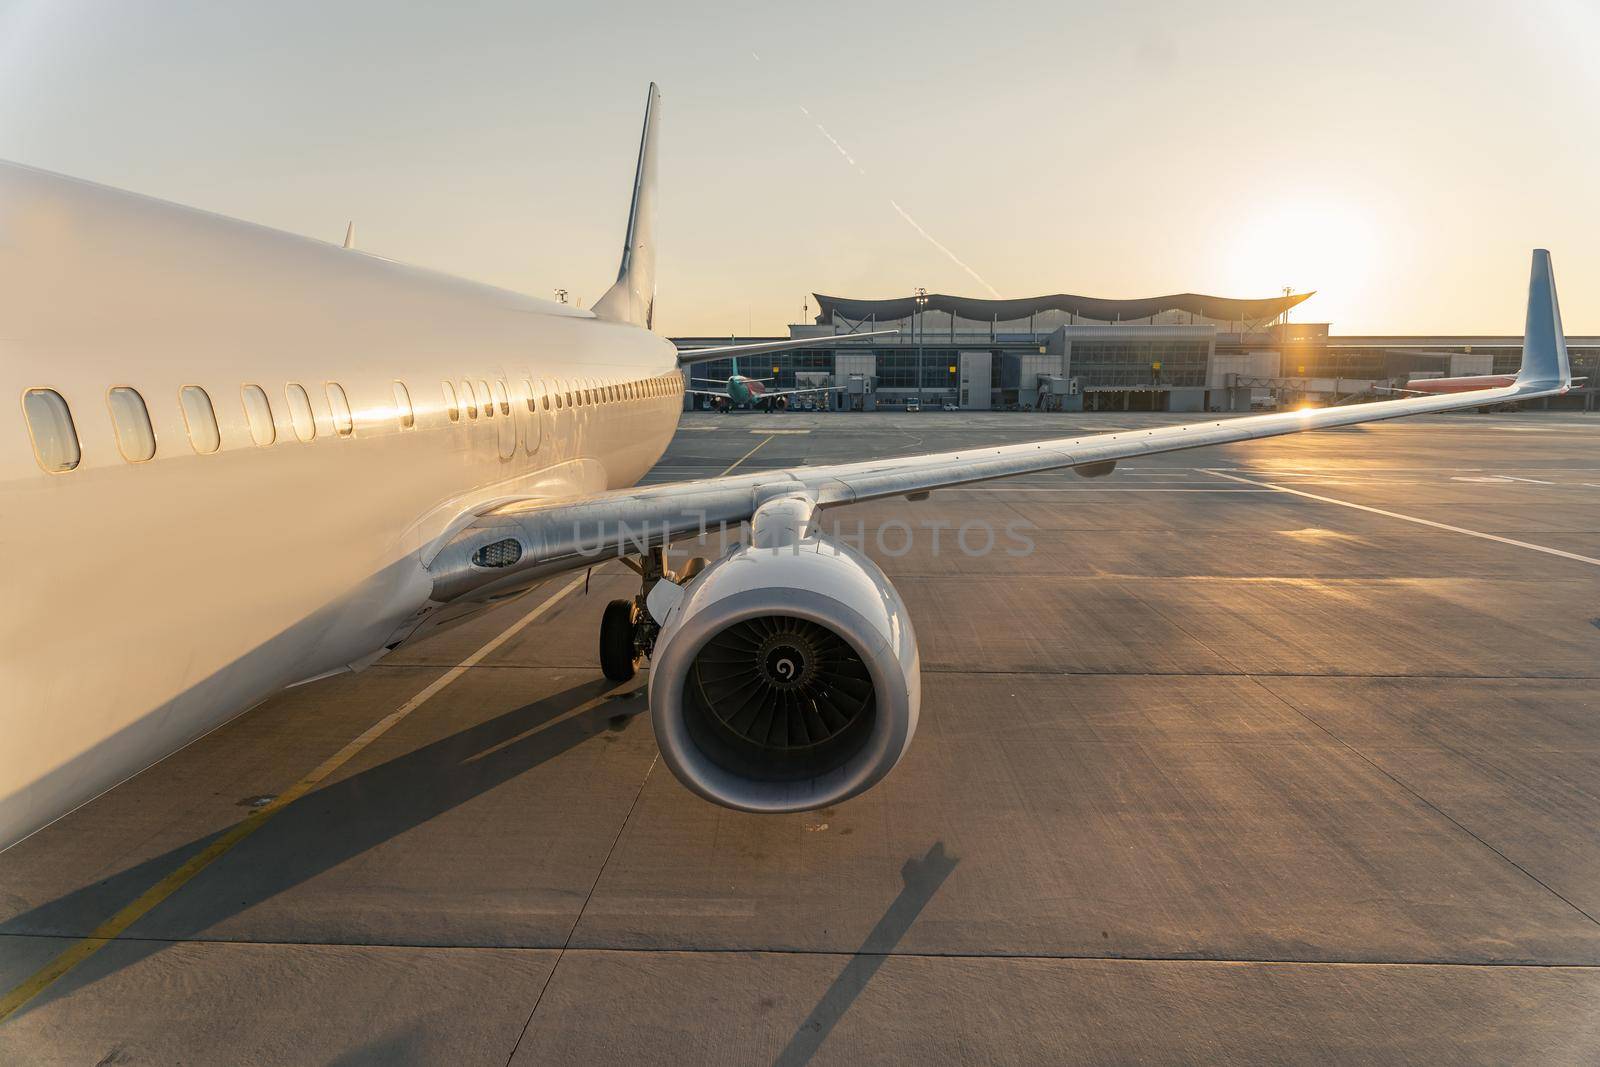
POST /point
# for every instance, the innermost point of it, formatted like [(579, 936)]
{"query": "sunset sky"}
[(1401, 158)]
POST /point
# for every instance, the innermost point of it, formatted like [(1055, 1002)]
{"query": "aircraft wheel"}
[(617, 652)]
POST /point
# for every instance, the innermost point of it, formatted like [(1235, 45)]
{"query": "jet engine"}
[(785, 677)]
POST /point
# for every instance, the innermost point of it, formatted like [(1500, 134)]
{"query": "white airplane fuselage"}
[(151, 601)]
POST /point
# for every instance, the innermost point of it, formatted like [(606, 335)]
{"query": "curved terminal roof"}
[(1219, 308)]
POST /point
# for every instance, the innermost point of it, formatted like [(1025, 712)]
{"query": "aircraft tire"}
[(617, 653)]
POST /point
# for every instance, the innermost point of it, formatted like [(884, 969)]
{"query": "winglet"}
[(350, 234), (1544, 345), (633, 298)]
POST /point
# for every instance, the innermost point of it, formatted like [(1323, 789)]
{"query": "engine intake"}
[(777, 698), (785, 679)]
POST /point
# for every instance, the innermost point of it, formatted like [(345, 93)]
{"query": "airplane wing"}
[(688, 356), (544, 538), (806, 390)]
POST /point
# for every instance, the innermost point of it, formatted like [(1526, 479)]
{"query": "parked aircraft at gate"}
[(239, 459), (737, 390)]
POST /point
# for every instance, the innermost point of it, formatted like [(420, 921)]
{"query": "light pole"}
[(921, 303)]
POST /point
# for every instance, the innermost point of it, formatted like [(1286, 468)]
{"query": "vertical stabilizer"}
[(1544, 345), (633, 297)]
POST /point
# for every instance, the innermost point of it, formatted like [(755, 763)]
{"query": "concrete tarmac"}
[(1287, 751)]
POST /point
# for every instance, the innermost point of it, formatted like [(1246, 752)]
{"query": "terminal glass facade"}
[(898, 369), (1132, 363)]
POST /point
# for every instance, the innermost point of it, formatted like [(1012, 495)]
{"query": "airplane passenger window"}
[(558, 401), (136, 439), (339, 405), (501, 398), (468, 400), (200, 418), (402, 406), (305, 423), (530, 438), (485, 399), (55, 439), (450, 403), (259, 411)]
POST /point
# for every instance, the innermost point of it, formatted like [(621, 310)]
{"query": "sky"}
[(1400, 158)]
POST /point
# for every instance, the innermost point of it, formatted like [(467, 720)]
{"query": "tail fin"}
[(633, 298), (1544, 345)]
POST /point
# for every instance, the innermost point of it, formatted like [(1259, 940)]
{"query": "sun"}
[(1322, 244)]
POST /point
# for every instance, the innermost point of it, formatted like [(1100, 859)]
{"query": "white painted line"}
[(1092, 489), (1412, 518), (780, 431)]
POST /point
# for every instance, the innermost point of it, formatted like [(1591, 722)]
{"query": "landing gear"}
[(627, 632), (618, 652)]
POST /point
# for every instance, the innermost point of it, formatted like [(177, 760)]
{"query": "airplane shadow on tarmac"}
[(923, 877), (323, 829)]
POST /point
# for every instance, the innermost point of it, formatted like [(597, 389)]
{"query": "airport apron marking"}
[(746, 456), (108, 931), (1412, 518)]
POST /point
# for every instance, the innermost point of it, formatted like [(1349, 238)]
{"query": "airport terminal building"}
[(1184, 352)]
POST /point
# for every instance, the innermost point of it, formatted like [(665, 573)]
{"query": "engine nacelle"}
[(785, 678)]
